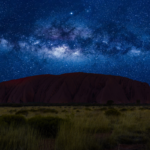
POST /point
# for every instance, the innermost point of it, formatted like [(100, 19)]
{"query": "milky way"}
[(63, 36)]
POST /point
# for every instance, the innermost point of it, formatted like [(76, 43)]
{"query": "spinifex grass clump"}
[(22, 112), (123, 109), (65, 111), (112, 112), (46, 126), (88, 109), (15, 120), (45, 110), (94, 124), (103, 108), (71, 138), (12, 110), (81, 134), (22, 138)]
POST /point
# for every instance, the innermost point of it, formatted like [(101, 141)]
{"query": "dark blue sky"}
[(63, 36)]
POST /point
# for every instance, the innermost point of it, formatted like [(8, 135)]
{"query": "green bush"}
[(46, 126), (112, 112), (15, 120)]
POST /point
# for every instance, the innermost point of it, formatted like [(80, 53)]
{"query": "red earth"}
[(74, 88)]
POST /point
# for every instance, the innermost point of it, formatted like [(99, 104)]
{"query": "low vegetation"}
[(74, 128), (46, 126)]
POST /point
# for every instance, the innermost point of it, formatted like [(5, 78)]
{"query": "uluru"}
[(74, 88)]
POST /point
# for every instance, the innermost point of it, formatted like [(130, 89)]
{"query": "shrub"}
[(131, 109), (15, 120), (33, 110), (123, 109), (46, 126), (12, 111), (22, 112), (142, 108), (103, 108), (50, 111), (112, 112), (64, 110), (88, 109)]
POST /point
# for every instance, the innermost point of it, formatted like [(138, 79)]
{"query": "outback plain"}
[(75, 128)]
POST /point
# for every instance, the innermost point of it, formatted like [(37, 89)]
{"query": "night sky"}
[(63, 36)]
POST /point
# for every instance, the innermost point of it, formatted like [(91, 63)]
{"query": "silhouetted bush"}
[(138, 102), (15, 105), (46, 126), (110, 102)]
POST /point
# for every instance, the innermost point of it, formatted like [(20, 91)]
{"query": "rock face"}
[(74, 88)]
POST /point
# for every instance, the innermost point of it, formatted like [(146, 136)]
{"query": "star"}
[(71, 13)]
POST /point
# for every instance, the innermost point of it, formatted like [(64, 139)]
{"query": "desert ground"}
[(75, 128)]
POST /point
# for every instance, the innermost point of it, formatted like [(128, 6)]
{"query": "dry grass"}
[(86, 128), (22, 138)]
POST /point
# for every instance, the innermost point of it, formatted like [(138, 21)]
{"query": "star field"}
[(63, 36)]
